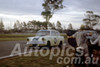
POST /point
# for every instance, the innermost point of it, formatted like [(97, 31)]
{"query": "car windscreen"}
[(43, 33)]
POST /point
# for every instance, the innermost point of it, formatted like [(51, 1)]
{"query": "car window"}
[(52, 33), (43, 33), (55, 33)]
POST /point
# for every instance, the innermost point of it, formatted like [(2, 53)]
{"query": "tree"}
[(29, 25), (17, 26), (70, 26), (91, 19), (50, 6), (82, 27), (1, 25), (58, 25), (24, 26), (53, 26)]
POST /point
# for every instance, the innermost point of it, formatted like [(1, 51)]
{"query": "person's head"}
[(80, 30)]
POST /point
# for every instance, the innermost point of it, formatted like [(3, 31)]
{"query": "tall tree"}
[(29, 25), (53, 26), (58, 25), (70, 27), (24, 26), (50, 6), (91, 19), (17, 26), (1, 25)]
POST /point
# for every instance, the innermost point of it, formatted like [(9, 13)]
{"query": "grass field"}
[(14, 37)]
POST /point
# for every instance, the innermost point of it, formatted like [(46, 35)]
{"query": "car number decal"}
[(55, 40)]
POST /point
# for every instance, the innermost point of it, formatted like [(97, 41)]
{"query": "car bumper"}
[(36, 43)]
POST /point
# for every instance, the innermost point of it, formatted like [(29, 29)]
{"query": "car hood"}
[(38, 36)]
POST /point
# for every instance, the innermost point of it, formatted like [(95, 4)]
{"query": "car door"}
[(53, 38), (56, 38)]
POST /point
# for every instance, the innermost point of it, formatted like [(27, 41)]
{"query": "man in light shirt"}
[(81, 40)]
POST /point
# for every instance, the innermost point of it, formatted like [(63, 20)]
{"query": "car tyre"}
[(49, 44), (60, 44)]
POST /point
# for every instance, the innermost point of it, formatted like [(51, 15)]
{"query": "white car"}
[(46, 38)]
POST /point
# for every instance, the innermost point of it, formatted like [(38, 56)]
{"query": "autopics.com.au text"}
[(66, 55)]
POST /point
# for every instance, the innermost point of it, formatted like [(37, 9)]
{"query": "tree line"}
[(91, 19), (30, 26), (34, 25)]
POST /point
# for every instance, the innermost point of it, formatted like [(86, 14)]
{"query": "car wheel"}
[(60, 44), (48, 44)]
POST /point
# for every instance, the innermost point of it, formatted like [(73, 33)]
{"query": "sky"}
[(27, 10)]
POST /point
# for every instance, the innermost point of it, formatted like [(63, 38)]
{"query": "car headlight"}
[(27, 39), (43, 39)]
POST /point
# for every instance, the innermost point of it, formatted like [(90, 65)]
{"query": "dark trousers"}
[(72, 42)]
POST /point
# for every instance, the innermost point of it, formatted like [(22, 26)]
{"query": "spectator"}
[(81, 41)]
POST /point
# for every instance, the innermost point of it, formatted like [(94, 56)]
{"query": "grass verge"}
[(14, 37), (32, 61)]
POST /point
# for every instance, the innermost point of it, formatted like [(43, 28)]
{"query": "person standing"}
[(81, 41)]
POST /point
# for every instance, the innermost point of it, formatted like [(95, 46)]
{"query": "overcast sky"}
[(27, 10)]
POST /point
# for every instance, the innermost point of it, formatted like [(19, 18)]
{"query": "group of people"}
[(82, 42)]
